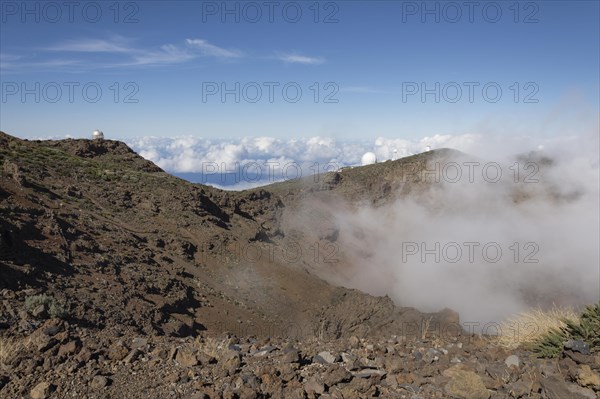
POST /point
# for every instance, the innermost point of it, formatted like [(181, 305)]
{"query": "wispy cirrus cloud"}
[(117, 44), (113, 52), (300, 59), (10, 63), (86, 54), (165, 54), (8, 60), (211, 50)]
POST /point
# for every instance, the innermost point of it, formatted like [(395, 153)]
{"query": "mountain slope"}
[(123, 244)]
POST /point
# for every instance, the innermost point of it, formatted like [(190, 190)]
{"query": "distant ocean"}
[(227, 181)]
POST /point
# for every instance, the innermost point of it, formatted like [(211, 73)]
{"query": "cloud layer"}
[(262, 160), (249, 162)]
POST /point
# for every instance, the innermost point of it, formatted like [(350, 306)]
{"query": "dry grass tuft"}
[(527, 327), (10, 348)]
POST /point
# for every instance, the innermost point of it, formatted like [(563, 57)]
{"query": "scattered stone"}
[(335, 375), (53, 327), (314, 385), (70, 348), (586, 393), (578, 346), (231, 365), (417, 355), (99, 382), (139, 343), (235, 347), (186, 357), (431, 356), (45, 343), (520, 389), (325, 357), (512, 361), (368, 373), (454, 370), (578, 357), (172, 378), (588, 378), (84, 355), (42, 390), (40, 312), (118, 351), (172, 353), (348, 358), (354, 342), (405, 378), (265, 351), (133, 356), (159, 353), (290, 356), (557, 388)]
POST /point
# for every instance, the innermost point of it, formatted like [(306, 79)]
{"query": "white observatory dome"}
[(368, 159), (97, 135)]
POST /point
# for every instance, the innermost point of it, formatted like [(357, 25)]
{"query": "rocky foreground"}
[(60, 360)]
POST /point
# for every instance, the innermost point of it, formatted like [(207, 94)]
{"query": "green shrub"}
[(34, 301), (54, 307), (57, 309), (586, 329)]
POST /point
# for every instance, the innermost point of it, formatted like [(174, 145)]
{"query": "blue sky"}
[(373, 57)]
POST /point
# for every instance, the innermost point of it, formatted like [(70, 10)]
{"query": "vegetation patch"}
[(528, 327), (585, 329), (42, 305)]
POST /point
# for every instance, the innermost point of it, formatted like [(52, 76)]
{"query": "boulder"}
[(42, 390), (467, 385)]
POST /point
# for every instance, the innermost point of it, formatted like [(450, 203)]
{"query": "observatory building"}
[(97, 135), (368, 159)]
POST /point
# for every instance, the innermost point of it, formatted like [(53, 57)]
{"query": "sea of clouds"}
[(256, 161)]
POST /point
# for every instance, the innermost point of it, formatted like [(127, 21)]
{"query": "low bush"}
[(586, 329)]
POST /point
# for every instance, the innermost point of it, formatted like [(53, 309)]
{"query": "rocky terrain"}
[(118, 280)]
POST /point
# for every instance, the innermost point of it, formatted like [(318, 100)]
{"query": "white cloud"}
[(301, 59), (121, 52), (124, 52), (167, 54), (116, 45), (257, 160), (12, 63), (114, 52), (208, 49), (281, 158)]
